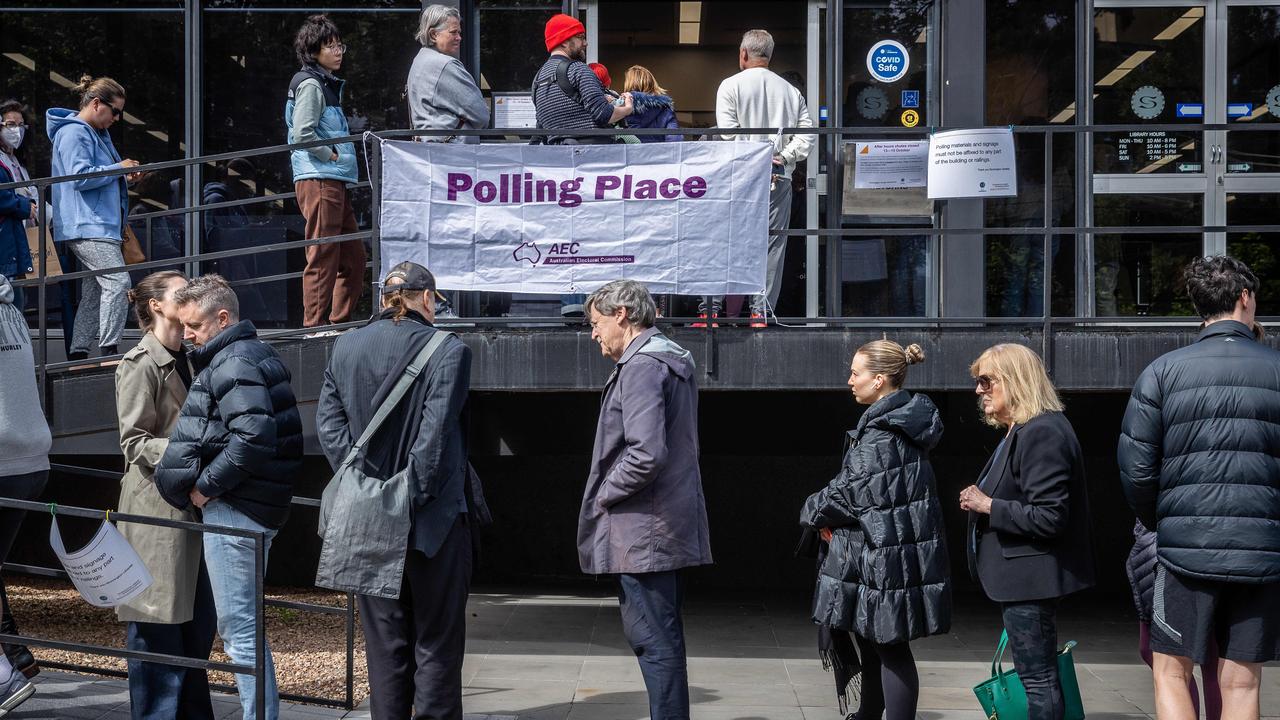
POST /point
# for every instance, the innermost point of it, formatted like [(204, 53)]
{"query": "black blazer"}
[(1035, 545)]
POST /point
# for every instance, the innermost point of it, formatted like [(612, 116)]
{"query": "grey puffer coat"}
[(886, 574)]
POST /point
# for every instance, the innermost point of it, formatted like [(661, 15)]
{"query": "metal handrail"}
[(347, 612)]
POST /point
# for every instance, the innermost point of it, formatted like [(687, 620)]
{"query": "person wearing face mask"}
[(90, 214), (1028, 538), (15, 254), (13, 132), (884, 579), (442, 94)]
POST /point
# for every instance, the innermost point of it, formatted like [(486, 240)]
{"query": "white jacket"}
[(760, 98)]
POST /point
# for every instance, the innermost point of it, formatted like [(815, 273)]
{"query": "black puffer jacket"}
[(886, 574), (239, 437), (1141, 569), (1199, 456)]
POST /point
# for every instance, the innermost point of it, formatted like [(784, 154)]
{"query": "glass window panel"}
[(1253, 80), (1261, 251), (1030, 67), (511, 47), (1147, 61), (314, 7), (1140, 274), (869, 102)]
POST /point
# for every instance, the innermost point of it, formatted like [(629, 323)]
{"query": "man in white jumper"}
[(757, 97)]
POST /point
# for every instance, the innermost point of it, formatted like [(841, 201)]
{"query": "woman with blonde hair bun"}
[(1028, 535), (884, 573)]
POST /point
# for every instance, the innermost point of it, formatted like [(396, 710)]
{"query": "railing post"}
[(375, 240), (259, 626), (1047, 259), (42, 305)]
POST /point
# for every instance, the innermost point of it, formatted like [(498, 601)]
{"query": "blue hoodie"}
[(654, 111), (92, 209)]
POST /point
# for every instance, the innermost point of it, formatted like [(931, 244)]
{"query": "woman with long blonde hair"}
[(654, 107), (1028, 535)]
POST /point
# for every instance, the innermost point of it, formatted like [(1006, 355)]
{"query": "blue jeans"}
[(650, 604), (230, 562), (1033, 642), (163, 692)]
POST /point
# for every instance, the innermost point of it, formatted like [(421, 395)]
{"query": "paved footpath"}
[(558, 657)]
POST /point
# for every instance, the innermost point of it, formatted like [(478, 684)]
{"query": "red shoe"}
[(702, 320), (759, 320)]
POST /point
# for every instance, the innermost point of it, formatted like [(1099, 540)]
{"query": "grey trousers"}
[(779, 219), (103, 305)]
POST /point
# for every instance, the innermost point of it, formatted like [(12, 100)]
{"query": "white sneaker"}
[(15, 692)]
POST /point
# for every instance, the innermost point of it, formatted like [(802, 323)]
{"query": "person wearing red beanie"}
[(561, 28), (601, 72)]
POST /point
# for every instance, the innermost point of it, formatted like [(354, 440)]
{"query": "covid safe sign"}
[(888, 61)]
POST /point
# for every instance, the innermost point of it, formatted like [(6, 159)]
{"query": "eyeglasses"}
[(115, 111), (337, 49), (984, 382), (13, 124)]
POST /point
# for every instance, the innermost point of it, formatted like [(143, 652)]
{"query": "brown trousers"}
[(334, 277)]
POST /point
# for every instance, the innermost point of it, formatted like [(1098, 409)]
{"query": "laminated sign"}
[(972, 163), (107, 571), (689, 218)]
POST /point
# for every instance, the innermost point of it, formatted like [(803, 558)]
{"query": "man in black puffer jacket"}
[(234, 453), (1199, 461)]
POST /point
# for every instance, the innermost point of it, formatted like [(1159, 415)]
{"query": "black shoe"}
[(77, 355), (22, 660), (107, 350)]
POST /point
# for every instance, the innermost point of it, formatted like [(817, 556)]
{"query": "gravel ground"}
[(309, 648)]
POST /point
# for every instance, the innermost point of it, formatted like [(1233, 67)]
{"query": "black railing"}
[(258, 669)]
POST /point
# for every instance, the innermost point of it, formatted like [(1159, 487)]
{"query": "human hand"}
[(35, 212), (198, 498), (973, 499), (825, 534), (132, 178), (129, 163)]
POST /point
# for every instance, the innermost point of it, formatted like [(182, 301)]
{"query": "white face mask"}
[(13, 136)]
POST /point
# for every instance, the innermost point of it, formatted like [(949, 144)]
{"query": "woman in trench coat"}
[(175, 615)]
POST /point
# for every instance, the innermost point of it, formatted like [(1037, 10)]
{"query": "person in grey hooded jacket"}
[(644, 517), (442, 94), (885, 572)]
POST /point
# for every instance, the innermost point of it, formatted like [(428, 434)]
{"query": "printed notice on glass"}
[(901, 164), (972, 163), (514, 110), (107, 571)]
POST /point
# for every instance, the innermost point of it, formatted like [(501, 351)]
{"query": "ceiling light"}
[(61, 80), (1125, 67), (1067, 113), (22, 60), (689, 33), (690, 12)]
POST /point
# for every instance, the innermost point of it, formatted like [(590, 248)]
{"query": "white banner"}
[(690, 218)]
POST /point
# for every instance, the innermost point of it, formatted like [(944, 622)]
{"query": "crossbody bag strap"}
[(397, 393)]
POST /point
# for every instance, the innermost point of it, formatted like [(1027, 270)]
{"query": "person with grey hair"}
[(234, 453), (757, 97), (442, 94), (644, 517)]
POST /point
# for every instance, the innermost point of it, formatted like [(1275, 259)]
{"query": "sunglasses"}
[(984, 382), (115, 111)]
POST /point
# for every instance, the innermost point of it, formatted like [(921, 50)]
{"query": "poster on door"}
[(972, 163)]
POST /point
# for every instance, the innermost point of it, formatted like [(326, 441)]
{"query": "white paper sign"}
[(107, 571), (972, 163), (901, 164), (514, 110), (689, 218)]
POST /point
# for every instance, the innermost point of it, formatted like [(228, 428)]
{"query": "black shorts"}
[(1189, 616)]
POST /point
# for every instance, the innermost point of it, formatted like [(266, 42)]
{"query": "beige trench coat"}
[(149, 394)]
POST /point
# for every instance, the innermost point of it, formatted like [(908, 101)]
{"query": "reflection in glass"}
[(1030, 66), (1147, 62), (1253, 87), (884, 276), (1141, 274), (1261, 251), (868, 102), (512, 47)]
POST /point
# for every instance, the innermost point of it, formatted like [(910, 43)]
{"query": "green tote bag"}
[(1003, 698)]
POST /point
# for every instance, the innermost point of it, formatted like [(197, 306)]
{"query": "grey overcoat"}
[(643, 509), (149, 396)]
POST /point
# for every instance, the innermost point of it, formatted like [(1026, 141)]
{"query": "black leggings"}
[(889, 681)]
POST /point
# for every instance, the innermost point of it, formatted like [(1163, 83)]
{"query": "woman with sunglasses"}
[(1028, 535), (89, 214), (884, 573)]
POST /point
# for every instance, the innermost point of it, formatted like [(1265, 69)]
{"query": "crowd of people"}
[(210, 432)]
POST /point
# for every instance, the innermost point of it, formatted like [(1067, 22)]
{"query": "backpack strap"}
[(562, 79), (397, 393)]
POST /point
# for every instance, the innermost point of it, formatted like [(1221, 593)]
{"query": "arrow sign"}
[(1190, 110), (1236, 110), (1239, 167)]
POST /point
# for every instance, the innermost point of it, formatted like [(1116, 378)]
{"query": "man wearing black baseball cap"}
[(414, 644)]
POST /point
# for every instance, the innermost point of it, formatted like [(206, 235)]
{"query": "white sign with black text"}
[(891, 164), (107, 571), (972, 163)]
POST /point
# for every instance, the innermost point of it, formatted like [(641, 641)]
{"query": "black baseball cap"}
[(409, 276)]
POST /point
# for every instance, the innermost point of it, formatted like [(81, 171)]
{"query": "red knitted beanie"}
[(561, 27)]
